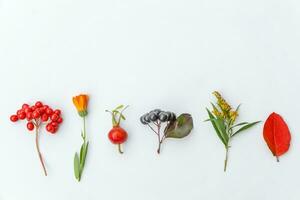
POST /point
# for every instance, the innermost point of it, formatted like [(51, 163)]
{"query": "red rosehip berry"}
[(49, 111), (24, 106), (39, 104), (59, 120), (57, 111), (22, 115), (36, 114), (44, 117), (14, 118), (54, 117), (30, 126)]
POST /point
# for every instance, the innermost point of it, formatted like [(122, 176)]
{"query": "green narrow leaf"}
[(123, 117), (240, 124), (85, 150), (245, 127), (212, 120), (76, 167), (119, 107), (221, 126)]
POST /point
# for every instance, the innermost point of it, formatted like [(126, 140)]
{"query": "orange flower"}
[(81, 102)]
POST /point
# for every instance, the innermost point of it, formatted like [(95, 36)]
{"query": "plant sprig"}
[(223, 119)]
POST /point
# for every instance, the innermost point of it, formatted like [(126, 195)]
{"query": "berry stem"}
[(37, 126), (120, 149)]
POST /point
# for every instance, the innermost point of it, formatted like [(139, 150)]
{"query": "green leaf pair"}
[(79, 161)]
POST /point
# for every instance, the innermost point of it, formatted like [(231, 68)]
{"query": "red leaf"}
[(277, 135)]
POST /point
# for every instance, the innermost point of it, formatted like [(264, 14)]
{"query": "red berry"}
[(22, 115), (33, 108), (27, 110), (30, 126), (19, 111), (39, 104), (59, 120), (36, 114), (25, 106), (57, 111), (54, 117), (49, 128), (29, 116), (49, 111), (54, 124), (117, 135), (45, 107), (44, 117), (41, 110), (14, 118)]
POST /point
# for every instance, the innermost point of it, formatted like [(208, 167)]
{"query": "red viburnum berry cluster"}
[(38, 114)]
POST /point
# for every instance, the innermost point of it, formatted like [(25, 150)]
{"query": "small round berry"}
[(29, 116), (33, 108), (30, 126), (57, 111), (49, 111), (39, 104), (153, 117), (24, 106), (41, 110), (59, 120), (163, 117), (44, 117), (22, 115), (45, 107), (49, 128), (19, 111), (14, 118), (147, 118), (54, 130), (36, 114), (54, 117), (27, 110), (54, 124)]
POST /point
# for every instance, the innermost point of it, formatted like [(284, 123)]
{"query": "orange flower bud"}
[(81, 102)]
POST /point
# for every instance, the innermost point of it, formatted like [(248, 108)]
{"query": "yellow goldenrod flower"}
[(222, 103), (233, 115), (81, 102)]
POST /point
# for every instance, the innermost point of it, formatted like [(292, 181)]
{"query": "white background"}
[(167, 54)]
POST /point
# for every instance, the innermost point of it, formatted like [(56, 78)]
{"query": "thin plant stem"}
[(120, 149), (226, 159), (38, 147)]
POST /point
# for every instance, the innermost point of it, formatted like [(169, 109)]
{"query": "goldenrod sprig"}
[(223, 117)]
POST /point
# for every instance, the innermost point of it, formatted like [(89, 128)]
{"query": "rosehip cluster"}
[(38, 114)]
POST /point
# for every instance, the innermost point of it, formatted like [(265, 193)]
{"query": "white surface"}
[(149, 54)]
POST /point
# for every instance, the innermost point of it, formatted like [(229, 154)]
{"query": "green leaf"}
[(180, 128), (212, 120), (123, 117), (240, 124), (77, 167), (245, 127), (86, 146), (119, 107), (221, 126)]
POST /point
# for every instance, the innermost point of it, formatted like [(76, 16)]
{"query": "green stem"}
[(226, 158)]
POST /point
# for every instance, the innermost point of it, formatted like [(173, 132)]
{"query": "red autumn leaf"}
[(277, 135)]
